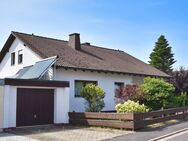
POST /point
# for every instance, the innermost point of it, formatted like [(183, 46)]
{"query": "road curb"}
[(168, 135)]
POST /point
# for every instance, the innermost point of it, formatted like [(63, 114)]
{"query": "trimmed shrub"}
[(157, 92), (177, 101), (131, 106), (94, 96)]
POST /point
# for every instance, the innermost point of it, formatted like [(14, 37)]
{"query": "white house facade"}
[(77, 65), (29, 58), (105, 81)]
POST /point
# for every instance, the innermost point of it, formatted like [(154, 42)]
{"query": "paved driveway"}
[(61, 133), (13, 137)]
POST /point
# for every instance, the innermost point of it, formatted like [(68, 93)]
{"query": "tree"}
[(94, 96), (180, 80), (162, 57), (156, 92)]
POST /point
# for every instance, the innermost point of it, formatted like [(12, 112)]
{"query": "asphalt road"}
[(178, 137), (146, 135)]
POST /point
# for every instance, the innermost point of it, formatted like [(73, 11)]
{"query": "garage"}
[(26, 102), (34, 106)]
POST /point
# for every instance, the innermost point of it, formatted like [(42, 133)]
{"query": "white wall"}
[(10, 97), (138, 79), (61, 105), (29, 58), (1, 106), (106, 81)]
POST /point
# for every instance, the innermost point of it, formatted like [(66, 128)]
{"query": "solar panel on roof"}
[(37, 70), (21, 72)]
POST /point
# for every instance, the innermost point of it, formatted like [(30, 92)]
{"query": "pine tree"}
[(162, 57)]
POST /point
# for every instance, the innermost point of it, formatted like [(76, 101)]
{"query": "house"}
[(58, 84)]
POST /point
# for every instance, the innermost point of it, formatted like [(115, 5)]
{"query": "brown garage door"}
[(34, 106)]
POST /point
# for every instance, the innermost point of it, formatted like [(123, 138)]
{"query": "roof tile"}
[(89, 57)]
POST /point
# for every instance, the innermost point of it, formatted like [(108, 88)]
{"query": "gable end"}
[(6, 47)]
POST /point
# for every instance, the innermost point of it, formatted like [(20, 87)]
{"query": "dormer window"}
[(20, 56), (12, 58)]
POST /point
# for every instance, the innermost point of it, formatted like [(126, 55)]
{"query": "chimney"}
[(86, 43), (74, 41)]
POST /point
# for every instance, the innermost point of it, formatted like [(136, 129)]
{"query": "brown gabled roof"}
[(88, 58)]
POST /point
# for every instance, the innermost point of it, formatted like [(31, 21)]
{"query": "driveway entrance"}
[(64, 133)]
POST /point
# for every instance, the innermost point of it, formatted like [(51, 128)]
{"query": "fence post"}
[(136, 119), (183, 114), (133, 129)]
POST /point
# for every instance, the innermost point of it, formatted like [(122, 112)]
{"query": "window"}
[(20, 57), (12, 58), (79, 84), (118, 85)]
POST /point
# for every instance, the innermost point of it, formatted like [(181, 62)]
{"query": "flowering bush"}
[(131, 106), (129, 92)]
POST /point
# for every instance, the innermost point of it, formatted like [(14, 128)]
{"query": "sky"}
[(129, 25)]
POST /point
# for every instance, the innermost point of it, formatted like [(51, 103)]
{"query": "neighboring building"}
[(77, 63)]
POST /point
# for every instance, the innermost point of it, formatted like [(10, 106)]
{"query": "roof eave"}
[(30, 46), (109, 71), (6, 46)]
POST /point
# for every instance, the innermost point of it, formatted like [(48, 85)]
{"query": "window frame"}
[(119, 83), (83, 81), (20, 54), (13, 58)]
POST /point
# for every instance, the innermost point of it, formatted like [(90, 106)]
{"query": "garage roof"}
[(32, 82)]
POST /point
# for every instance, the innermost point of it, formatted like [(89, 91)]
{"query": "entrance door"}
[(34, 106)]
